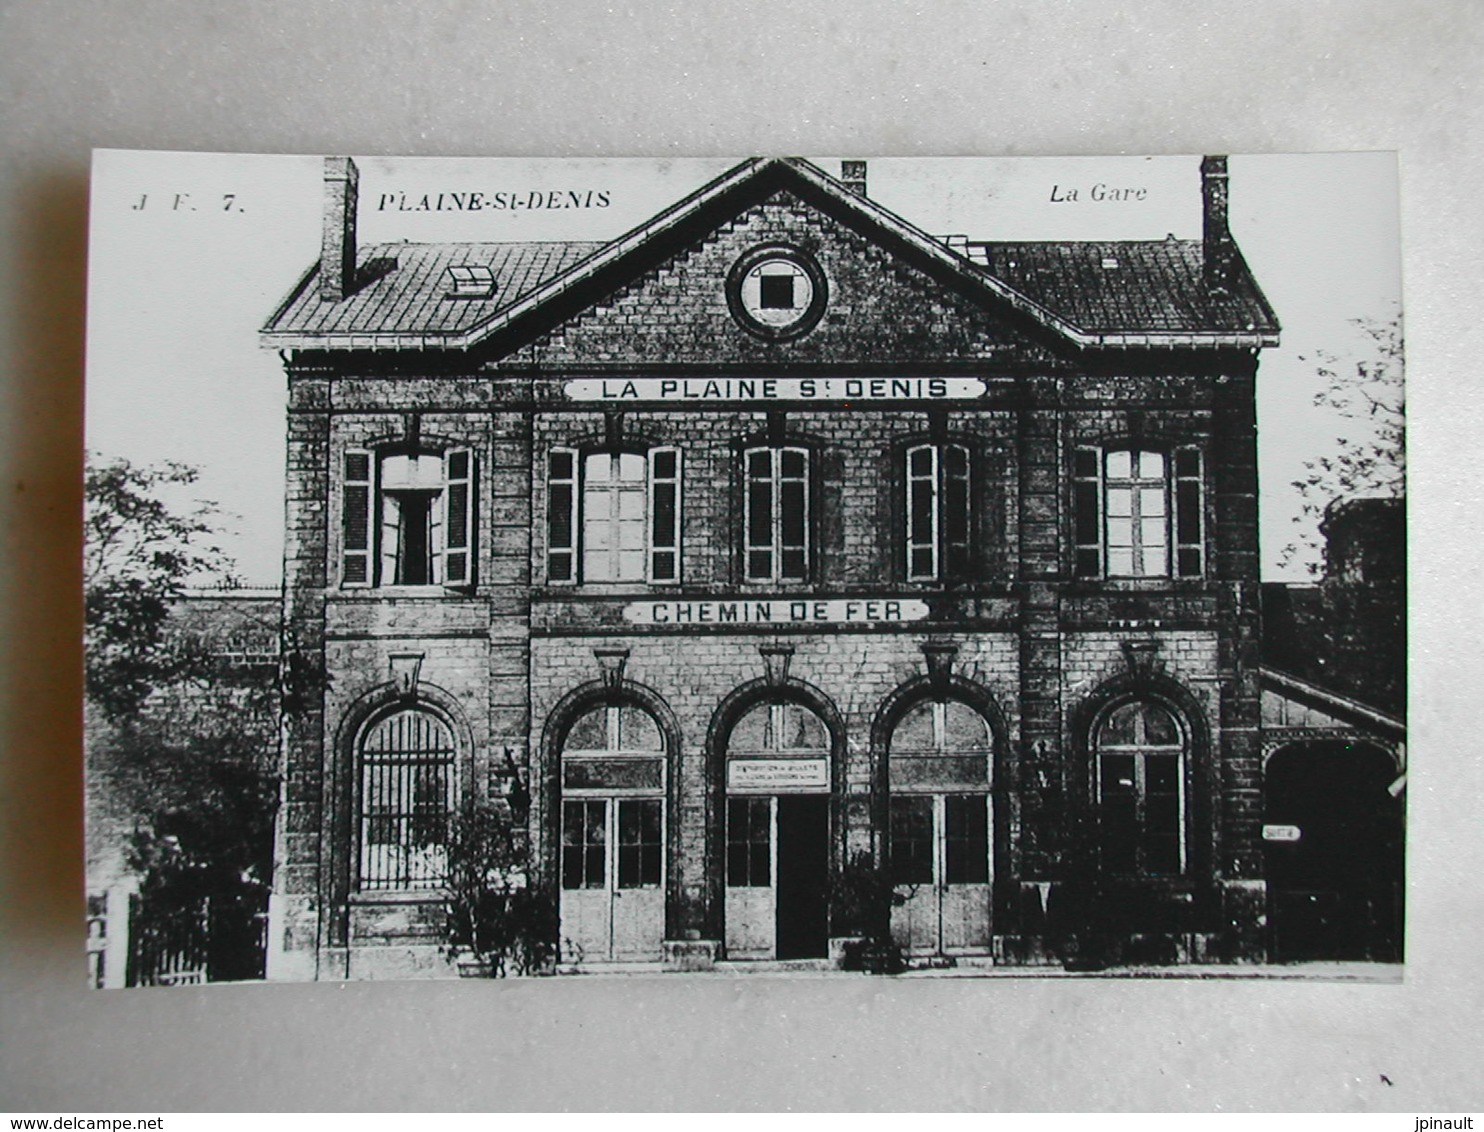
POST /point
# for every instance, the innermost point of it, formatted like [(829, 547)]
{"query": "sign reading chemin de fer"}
[(691, 389), (777, 611)]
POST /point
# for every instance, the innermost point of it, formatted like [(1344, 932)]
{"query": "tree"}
[(1365, 392), (138, 555), (181, 734), (861, 900), (492, 911)]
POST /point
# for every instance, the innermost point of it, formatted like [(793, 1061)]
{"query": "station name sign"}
[(777, 611), (724, 389)]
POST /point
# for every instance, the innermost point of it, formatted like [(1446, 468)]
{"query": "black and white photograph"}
[(827, 567)]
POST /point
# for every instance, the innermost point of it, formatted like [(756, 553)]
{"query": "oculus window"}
[(776, 292)]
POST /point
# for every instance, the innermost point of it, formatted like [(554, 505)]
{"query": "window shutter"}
[(1189, 514), (793, 514), (757, 514), (922, 513), (459, 504), (664, 515), (561, 504), (955, 511), (1087, 512), (391, 540), (357, 496)]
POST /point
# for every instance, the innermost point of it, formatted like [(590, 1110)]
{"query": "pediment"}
[(840, 298)]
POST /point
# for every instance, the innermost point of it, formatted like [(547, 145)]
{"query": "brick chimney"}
[(1218, 253), (853, 175), (337, 263)]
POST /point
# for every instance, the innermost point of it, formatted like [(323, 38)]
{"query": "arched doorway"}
[(940, 761), (777, 833), (1333, 838), (612, 863)]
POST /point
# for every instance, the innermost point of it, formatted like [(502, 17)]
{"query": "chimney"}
[(1218, 253), (337, 264), (853, 174)]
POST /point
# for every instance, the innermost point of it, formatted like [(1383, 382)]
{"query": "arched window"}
[(777, 834), (767, 732), (778, 729), (407, 798), (615, 748), (1140, 765)]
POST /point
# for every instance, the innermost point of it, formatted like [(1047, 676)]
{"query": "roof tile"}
[(1157, 286), (406, 288)]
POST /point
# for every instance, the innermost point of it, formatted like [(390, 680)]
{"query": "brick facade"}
[(511, 660)]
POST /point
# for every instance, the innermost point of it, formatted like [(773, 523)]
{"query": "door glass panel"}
[(639, 843), (912, 840), (749, 842), (637, 730), (589, 733), (963, 728), (966, 841), (584, 843), (801, 730)]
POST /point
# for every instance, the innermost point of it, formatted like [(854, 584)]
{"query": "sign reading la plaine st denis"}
[(693, 389)]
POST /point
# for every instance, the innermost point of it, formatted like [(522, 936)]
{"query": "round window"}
[(776, 292)]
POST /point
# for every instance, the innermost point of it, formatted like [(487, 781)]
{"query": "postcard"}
[(851, 566)]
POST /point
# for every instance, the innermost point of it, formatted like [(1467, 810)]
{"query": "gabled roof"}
[(1346, 708), (1158, 299)]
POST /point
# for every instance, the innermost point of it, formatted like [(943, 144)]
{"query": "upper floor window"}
[(616, 514), (1139, 749), (775, 521), (937, 512), (406, 801), (407, 518), (1138, 513)]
